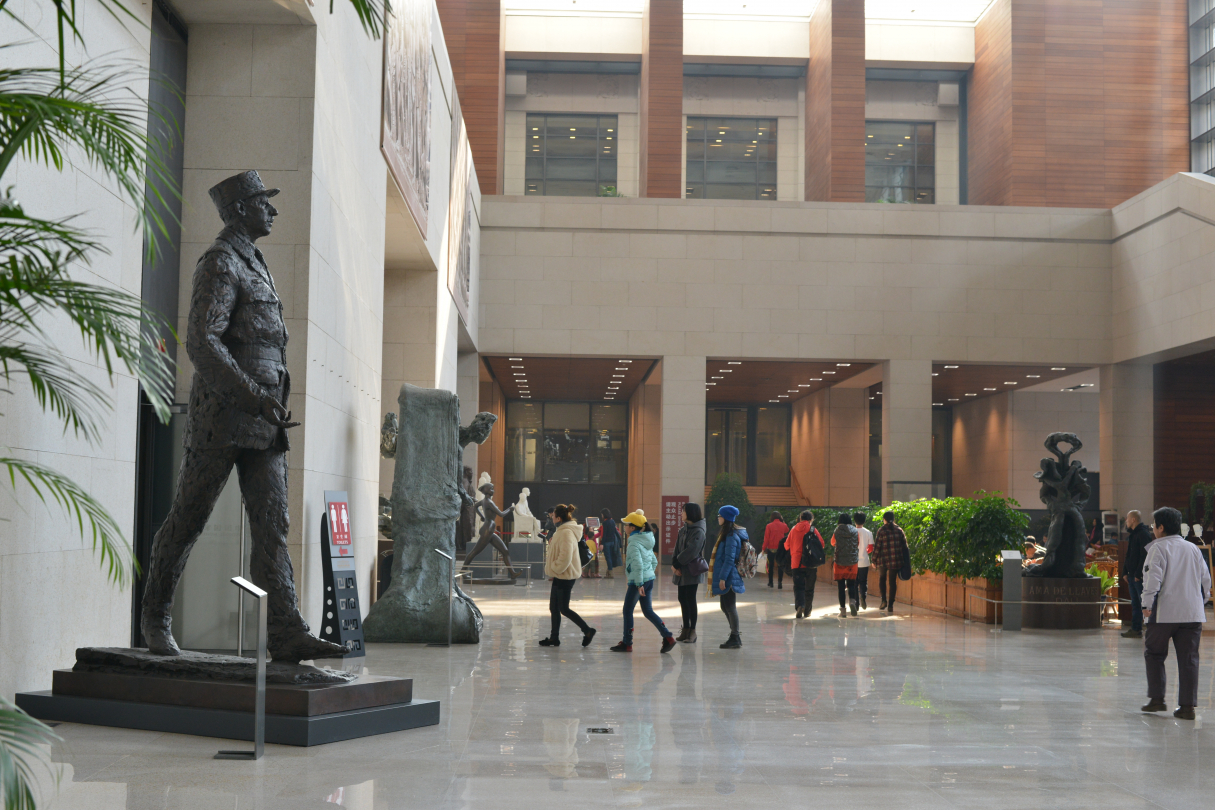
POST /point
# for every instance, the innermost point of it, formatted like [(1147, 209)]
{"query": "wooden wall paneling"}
[(661, 100), (474, 31), (835, 102), (1184, 429), (989, 99), (1077, 102), (491, 456)]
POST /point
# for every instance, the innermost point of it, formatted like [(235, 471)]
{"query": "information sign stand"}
[(343, 623)]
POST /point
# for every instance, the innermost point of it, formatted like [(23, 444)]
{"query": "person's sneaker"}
[(853, 605), (587, 636), (624, 646), (668, 644), (550, 642), (691, 637), (864, 606), (1154, 706), (1184, 713), (1133, 634)]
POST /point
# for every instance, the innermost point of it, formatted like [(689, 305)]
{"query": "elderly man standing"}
[(1132, 569), (1176, 583)]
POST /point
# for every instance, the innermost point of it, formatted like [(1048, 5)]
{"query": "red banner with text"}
[(672, 521)]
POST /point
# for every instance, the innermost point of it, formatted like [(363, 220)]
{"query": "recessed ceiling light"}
[(989, 389), (972, 395), (624, 361), (717, 378), (879, 393), (733, 362), (783, 396), (816, 379), (1033, 376), (872, 397), (520, 359), (1006, 382), (619, 376), (710, 383), (953, 399), (1058, 368), (774, 400), (726, 371), (828, 372), (938, 403), (1086, 385), (516, 366), (528, 397), (935, 374), (804, 385), (793, 391), (950, 366), (843, 365), (519, 374)]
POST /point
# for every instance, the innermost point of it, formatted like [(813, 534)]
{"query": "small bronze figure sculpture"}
[(466, 526), (237, 340), (1064, 490), (489, 512)]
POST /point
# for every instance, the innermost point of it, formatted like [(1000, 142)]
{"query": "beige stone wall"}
[(1036, 414)]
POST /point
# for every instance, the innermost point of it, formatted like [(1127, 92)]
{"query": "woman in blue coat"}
[(727, 583)]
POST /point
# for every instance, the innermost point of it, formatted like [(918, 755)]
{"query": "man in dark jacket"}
[(1132, 569)]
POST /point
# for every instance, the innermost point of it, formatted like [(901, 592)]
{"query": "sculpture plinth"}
[(1061, 603)]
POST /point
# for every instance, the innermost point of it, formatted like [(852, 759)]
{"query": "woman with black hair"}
[(609, 540), (687, 561), (562, 565), (847, 555), (727, 582)]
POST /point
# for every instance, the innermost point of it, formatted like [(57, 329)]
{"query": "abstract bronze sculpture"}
[(427, 497), (1064, 490), (237, 340)]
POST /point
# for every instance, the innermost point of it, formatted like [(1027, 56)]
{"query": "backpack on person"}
[(813, 553), (584, 553), (748, 560)]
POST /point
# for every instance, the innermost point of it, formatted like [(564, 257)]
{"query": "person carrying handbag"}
[(689, 564), (774, 538), (890, 553), (804, 545)]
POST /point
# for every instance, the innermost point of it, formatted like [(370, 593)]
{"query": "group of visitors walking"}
[(720, 560)]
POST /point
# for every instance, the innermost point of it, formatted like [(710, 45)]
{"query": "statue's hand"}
[(273, 412)]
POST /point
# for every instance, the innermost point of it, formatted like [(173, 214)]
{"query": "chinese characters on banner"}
[(672, 521)]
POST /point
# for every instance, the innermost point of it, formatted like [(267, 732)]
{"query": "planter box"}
[(938, 593)]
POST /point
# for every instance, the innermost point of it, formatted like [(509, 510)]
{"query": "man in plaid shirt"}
[(888, 550)]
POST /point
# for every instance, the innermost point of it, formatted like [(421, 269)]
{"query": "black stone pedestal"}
[(1066, 614), (308, 714)]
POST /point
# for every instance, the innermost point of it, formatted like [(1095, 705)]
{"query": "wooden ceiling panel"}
[(955, 383), (568, 379), (746, 382)]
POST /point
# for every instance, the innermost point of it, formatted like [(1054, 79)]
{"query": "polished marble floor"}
[(898, 713)]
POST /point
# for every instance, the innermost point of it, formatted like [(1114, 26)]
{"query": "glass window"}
[(750, 442), (725, 443), (609, 443), (731, 159), (523, 439), (567, 433), (900, 158), (571, 155), (772, 447)]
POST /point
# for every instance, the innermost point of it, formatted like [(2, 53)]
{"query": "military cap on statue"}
[(239, 187)]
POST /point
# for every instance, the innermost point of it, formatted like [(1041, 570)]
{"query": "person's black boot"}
[(550, 642), (733, 643), (1154, 706), (1184, 713)]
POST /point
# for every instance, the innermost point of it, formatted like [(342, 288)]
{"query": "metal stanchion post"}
[(1012, 589), (259, 703), (451, 587)]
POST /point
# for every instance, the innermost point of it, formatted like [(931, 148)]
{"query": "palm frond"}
[(108, 542), (21, 739), (45, 112), (371, 14), (72, 398), (116, 326)]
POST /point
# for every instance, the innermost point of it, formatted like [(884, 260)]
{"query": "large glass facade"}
[(731, 159), (751, 442), (567, 442), (571, 155), (900, 162)]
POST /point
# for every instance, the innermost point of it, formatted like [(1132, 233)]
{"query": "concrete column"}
[(906, 429), (1127, 440), (683, 427)]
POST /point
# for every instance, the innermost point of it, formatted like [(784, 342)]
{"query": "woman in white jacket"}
[(562, 565)]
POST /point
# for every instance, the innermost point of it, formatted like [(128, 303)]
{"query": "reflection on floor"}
[(911, 711)]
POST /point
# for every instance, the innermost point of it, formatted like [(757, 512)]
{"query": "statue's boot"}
[(302, 646), (158, 632)]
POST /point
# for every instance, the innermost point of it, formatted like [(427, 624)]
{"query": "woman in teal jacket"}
[(640, 565), (727, 582)]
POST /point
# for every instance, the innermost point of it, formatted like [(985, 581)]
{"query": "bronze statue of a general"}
[(237, 341)]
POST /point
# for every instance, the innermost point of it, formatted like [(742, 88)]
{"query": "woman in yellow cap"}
[(640, 565)]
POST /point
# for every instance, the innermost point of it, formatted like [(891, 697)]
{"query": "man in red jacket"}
[(774, 535), (804, 575)]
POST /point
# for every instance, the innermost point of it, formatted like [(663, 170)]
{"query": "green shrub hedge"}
[(957, 537)]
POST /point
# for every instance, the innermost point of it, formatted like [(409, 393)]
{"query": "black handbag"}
[(905, 571), (584, 553)]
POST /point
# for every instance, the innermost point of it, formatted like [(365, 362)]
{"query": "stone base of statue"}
[(304, 705), (1061, 603), (425, 506)]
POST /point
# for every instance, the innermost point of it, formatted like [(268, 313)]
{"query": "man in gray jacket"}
[(1176, 584)]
